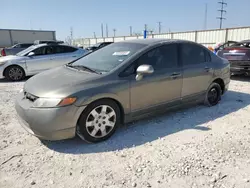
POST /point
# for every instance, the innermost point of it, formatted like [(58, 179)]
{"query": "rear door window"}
[(64, 49), (192, 54), (45, 50)]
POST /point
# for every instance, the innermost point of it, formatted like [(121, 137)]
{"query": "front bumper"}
[(48, 123)]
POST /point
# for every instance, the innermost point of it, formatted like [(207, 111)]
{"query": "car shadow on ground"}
[(141, 132)]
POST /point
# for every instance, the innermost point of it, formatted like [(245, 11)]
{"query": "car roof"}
[(153, 41), (44, 44)]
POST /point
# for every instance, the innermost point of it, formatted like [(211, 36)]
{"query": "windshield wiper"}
[(82, 67)]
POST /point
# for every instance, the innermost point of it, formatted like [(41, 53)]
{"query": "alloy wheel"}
[(101, 121), (15, 73)]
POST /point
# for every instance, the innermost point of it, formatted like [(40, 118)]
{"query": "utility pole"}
[(31, 25), (130, 28), (205, 20), (114, 31), (107, 31), (159, 25), (71, 35), (102, 30), (222, 11)]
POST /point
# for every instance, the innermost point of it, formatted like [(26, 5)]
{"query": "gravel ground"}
[(195, 147)]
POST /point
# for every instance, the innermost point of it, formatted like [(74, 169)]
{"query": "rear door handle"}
[(175, 75)]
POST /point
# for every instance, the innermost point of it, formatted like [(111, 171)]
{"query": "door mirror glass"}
[(142, 70), (31, 54)]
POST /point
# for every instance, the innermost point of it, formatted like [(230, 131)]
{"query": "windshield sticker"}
[(121, 53)]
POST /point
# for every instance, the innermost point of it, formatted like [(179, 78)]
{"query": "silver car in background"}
[(37, 58), (13, 50)]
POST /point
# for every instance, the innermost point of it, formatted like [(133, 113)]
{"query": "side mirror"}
[(31, 54), (142, 70)]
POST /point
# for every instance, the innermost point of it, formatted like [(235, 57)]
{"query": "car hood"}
[(11, 58), (59, 82)]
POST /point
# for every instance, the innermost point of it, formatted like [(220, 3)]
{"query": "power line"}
[(222, 11), (159, 26)]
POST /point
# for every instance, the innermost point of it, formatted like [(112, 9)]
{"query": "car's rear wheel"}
[(99, 121), (213, 95), (14, 73)]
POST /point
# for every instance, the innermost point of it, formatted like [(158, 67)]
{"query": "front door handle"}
[(175, 75)]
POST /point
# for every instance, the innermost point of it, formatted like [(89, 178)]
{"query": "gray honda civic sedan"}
[(90, 97)]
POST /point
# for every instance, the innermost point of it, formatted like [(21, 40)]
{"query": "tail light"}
[(3, 52)]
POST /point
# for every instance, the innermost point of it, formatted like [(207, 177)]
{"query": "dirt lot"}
[(197, 147)]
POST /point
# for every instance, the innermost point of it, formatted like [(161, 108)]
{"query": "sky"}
[(86, 16)]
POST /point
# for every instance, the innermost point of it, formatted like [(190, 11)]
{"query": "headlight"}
[(53, 102), (2, 62)]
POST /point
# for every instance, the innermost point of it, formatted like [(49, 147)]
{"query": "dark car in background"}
[(238, 55), (13, 50), (98, 46), (224, 45)]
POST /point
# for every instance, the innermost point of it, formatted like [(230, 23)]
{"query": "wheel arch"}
[(221, 83), (114, 99), (13, 65)]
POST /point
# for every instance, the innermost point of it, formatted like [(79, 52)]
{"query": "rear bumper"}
[(240, 70), (240, 67)]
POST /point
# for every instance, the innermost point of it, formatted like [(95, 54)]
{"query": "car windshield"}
[(106, 59), (27, 50)]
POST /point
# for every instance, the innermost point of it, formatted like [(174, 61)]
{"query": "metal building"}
[(9, 37), (204, 37)]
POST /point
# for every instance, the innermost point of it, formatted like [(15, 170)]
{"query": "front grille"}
[(29, 96)]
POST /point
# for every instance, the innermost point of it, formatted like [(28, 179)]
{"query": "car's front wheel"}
[(213, 95), (99, 121), (14, 73)]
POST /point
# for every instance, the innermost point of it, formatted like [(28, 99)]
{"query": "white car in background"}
[(37, 58)]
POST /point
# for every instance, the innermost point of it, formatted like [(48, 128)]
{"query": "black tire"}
[(213, 90), (19, 70), (82, 131)]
